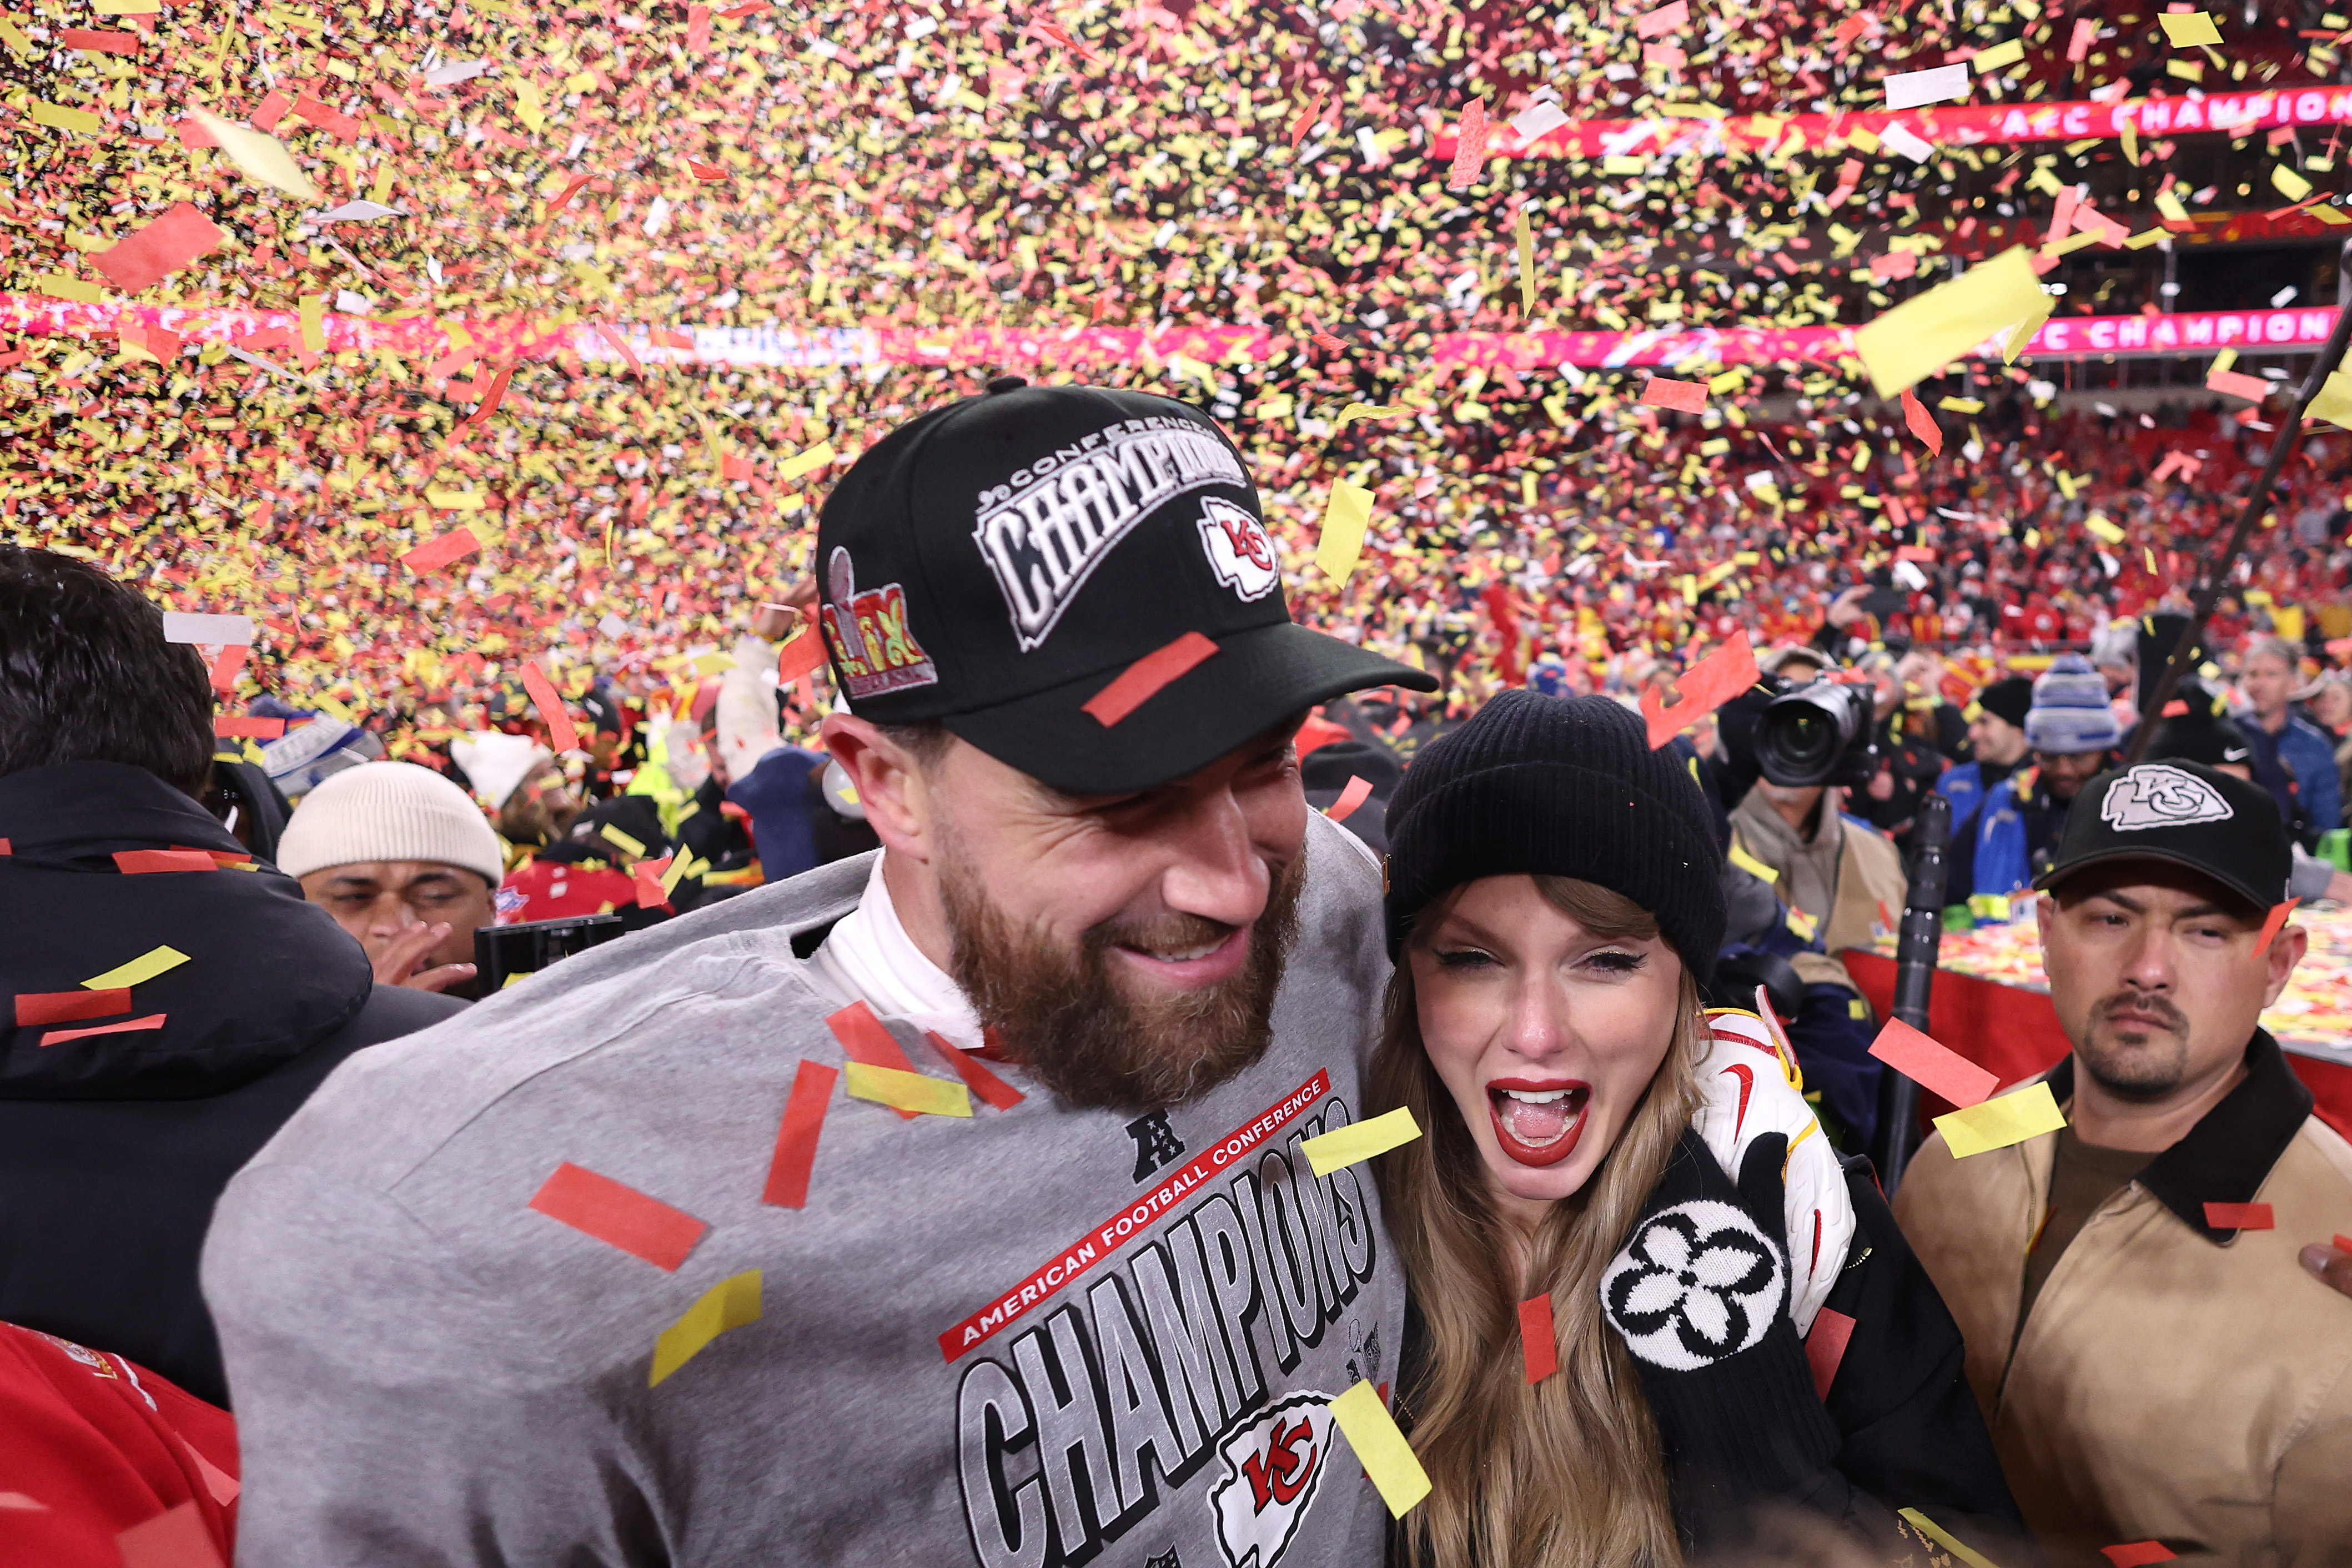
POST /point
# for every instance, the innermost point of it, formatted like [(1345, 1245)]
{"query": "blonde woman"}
[(1608, 1164)]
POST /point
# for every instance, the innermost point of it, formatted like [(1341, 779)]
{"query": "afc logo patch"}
[(1239, 552), (1156, 1143), (1274, 1467)]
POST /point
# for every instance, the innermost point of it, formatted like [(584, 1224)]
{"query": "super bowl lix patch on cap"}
[(867, 633)]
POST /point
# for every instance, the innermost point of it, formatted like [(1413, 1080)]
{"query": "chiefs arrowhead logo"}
[(1239, 552), (1274, 1467)]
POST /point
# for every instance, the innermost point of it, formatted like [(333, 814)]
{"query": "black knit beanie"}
[(2008, 700), (1561, 786)]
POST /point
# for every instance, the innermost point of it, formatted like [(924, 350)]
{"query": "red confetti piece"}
[(1705, 686), (1825, 1347), (274, 107), (1140, 682), (648, 877), (137, 862), (619, 1215), (223, 672), (628, 354), (1922, 424), (491, 398), (561, 734), (802, 654), (66, 1006), (2137, 1553), (1664, 19), (788, 1172), (697, 28), (1933, 1067), (128, 1026), (194, 135), (2273, 923), (1469, 148), (159, 249), (434, 553), (1664, 392), (1358, 791), (865, 1039), (334, 122), (1538, 1343), (97, 42), (2253, 388), (176, 1538), (976, 1077), (2239, 1216), (230, 726)]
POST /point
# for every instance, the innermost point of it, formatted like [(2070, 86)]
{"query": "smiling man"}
[(943, 1206), (2153, 1358)]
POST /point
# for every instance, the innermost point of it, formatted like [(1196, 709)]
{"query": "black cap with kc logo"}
[(2184, 812), (995, 564)]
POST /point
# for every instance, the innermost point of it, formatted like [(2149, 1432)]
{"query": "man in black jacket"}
[(171, 1000)]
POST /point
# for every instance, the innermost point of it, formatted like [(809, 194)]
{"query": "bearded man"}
[(944, 1206)]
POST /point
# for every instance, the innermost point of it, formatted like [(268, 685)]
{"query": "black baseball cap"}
[(2226, 827), (996, 562)]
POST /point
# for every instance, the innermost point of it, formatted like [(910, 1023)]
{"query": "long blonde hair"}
[(1568, 1473)]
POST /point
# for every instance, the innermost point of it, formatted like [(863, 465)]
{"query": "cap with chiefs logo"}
[(2216, 823), (995, 564)]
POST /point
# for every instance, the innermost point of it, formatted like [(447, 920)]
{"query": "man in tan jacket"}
[(2155, 1362)]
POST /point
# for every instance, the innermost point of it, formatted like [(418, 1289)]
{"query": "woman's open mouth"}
[(1538, 1121)]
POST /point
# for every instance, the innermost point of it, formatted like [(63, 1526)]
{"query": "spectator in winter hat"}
[(2072, 733), (1997, 748), (404, 861)]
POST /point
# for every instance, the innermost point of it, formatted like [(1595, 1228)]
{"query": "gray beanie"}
[(389, 811), (2070, 713)]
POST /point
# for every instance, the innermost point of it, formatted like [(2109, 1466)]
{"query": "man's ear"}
[(2286, 950), (2045, 909), (891, 784)]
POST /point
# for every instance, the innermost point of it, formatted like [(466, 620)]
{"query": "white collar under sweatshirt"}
[(869, 953)]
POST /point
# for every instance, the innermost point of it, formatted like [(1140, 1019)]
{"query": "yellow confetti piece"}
[(2101, 529), (2334, 403), (2291, 185), (1386, 1457), (1345, 518), (1943, 1538), (1360, 1141), (2170, 205), (907, 1090), (1998, 1123), (63, 118), (314, 323), (259, 156), (139, 971), (1366, 411), (613, 836), (729, 1304), (126, 7), (1905, 345), (1752, 866), (807, 462), (66, 287), (453, 501), (2187, 29), (1999, 55), (1803, 924), (529, 107), (1527, 265), (10, 35)]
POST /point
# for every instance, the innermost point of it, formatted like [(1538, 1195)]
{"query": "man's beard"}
[(1066, 1016), (2144, 1073)]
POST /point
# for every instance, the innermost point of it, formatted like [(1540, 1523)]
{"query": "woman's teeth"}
[(1539, 1117)]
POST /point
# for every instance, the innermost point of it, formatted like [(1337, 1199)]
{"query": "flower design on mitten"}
[(1697, 1283)]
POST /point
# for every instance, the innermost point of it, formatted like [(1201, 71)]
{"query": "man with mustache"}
[(2155, 1361), (943, 1206)]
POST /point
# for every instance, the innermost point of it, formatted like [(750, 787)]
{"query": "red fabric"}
[(558, 889), (2015, 1033), (99, 1446)]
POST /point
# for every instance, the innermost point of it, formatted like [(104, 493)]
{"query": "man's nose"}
[(2148, 964), (1217, 873)]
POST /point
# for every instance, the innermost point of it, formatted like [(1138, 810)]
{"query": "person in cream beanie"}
[(404, 861)]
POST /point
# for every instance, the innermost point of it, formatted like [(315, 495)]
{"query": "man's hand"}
[(2333, 1265), (396, 964), (1846, 608)]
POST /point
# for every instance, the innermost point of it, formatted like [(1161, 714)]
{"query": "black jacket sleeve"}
[(1911, 1433)]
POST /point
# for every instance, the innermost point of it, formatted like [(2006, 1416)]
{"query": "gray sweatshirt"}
[(1039, 1336)]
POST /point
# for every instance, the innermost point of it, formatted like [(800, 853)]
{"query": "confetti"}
[(1689, 397), (1382, 1451), (259, 156), (619, 1215), (1903, 346), (796, 1138), (2137, 1553), (1357, 791), (69, 1006), (732, 1303), (159, 249), (1539, 1340), (1913, 90), (128, 1026), (1704, 687), (1147, 677), (561, 734), (1946, 1539), (2187, 29), (1825, 1347), (1360, 1141), (141, 862), (139, 971), (1932, 1066), (216, 630), (2239, 1216), (1346, 517), (176, 1538), (906, 1092), (2273, 923), (1998, 1123)]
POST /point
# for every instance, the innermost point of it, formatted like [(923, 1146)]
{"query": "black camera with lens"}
[(1824, 734)]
